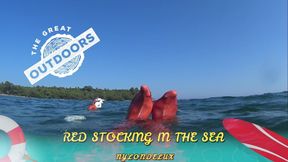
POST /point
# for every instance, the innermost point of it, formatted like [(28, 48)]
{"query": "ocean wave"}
[(48, 116)]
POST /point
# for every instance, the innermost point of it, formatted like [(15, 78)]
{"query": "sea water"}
[(45, 120)]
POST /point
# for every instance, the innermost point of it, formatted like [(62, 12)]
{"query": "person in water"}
[(165, 108), (97, 103), (142, 106)]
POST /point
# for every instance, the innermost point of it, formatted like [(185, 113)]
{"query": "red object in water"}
[(92, 107), (141, 106), (165, 108), (261, 140)]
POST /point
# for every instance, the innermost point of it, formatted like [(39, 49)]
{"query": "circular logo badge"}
[(54, 43)]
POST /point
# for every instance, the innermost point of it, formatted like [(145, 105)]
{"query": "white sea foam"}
[(74, 118)]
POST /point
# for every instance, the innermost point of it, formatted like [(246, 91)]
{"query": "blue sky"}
[(199, 48)]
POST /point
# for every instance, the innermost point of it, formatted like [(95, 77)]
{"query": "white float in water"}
[(74, 118)]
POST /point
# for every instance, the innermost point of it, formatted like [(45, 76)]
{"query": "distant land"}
[(86, 92)]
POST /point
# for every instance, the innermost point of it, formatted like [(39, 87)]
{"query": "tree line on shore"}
[(87, 92)]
